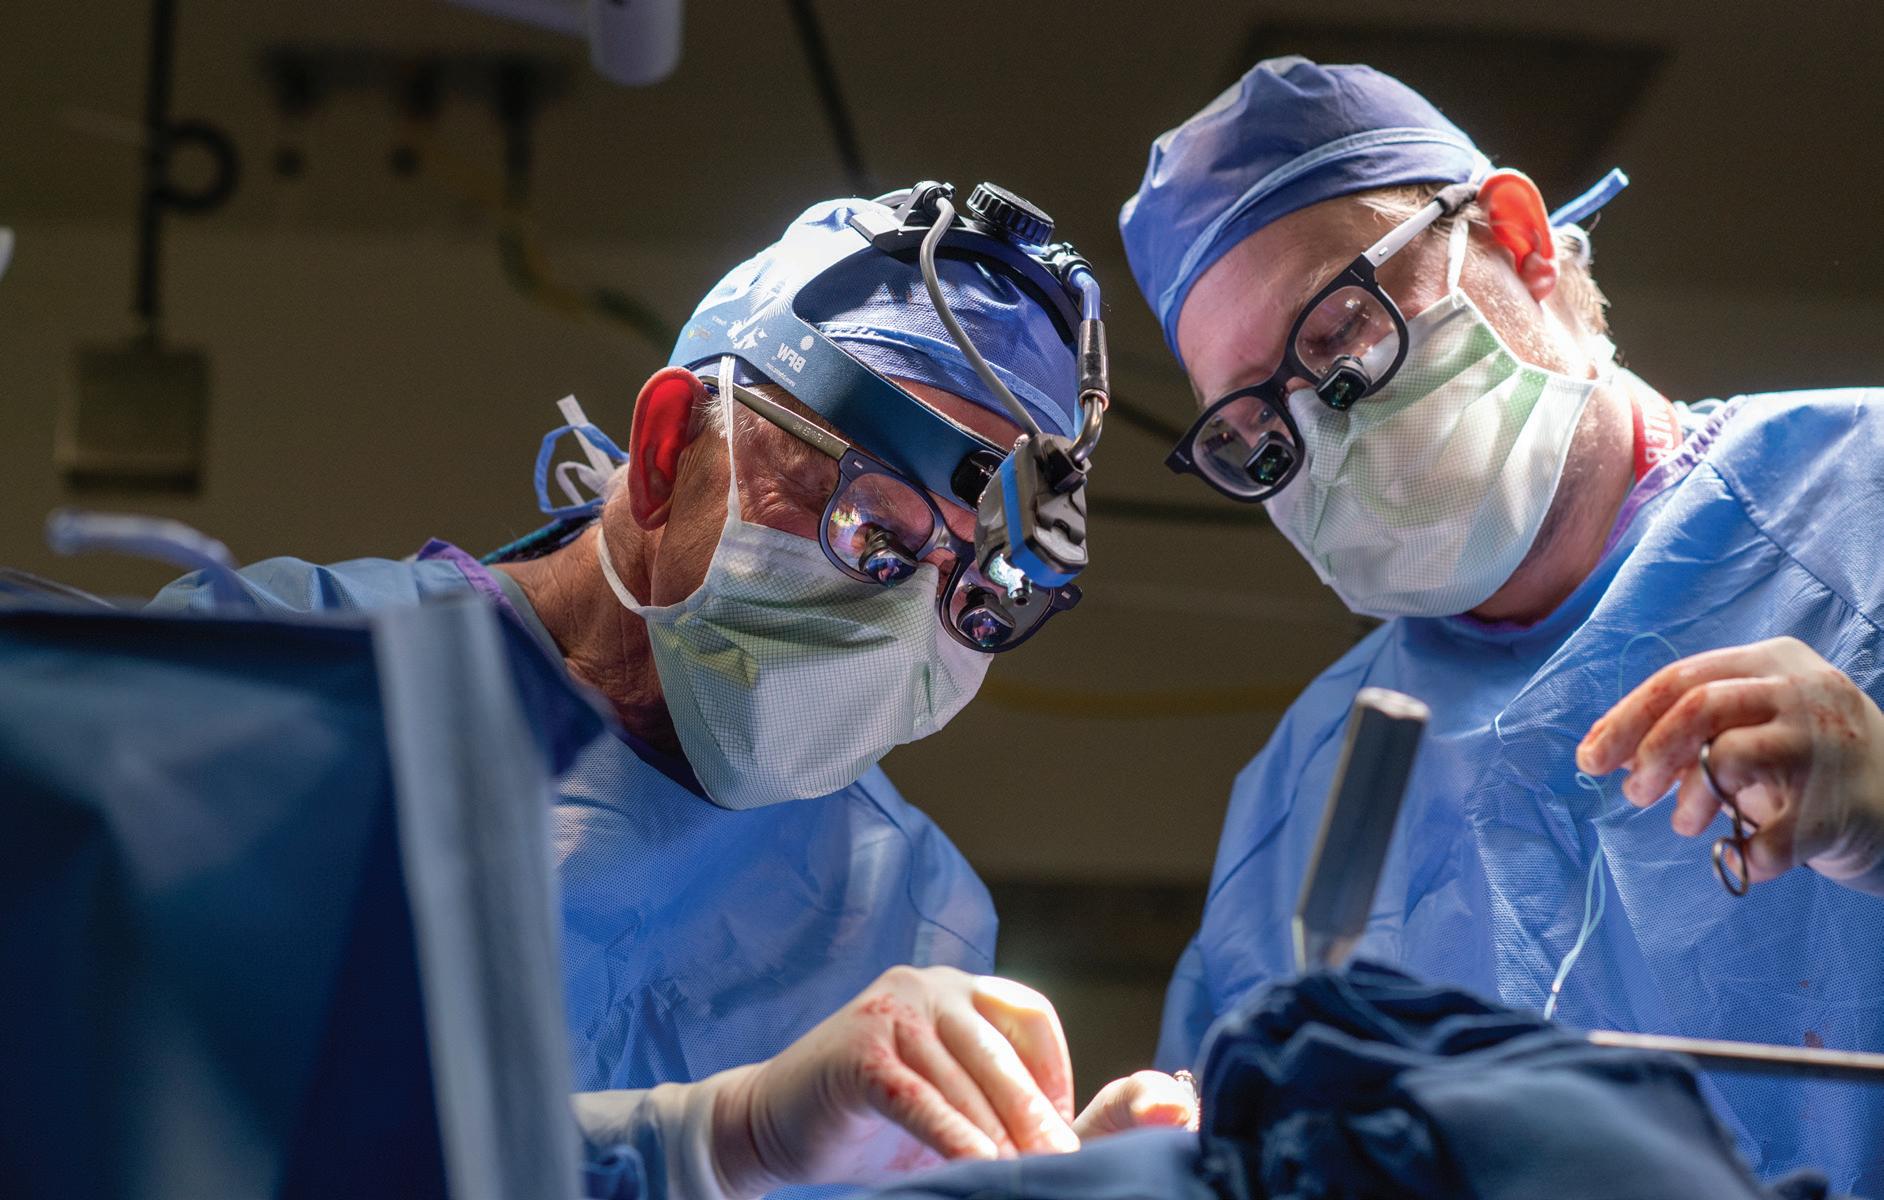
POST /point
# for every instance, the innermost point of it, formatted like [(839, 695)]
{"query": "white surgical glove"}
[(1795, 742), (1144, 1098), (925, 1065)]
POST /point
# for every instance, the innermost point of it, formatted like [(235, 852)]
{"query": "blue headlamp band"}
[(892, 424)]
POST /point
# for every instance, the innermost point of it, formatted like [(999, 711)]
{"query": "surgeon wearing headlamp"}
[(773, 584), (1400, 352)]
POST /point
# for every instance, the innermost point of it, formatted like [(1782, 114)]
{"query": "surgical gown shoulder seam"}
[(1746, 508), (909, 883)]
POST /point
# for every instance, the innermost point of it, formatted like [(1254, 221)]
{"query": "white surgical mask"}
[(1423, 498), (786, 679)]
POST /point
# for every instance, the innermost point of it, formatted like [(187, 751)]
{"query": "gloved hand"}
[(1795, 742), (923, 1065), (1140, 1099)]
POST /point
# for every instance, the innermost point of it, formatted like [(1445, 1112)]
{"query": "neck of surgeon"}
[(603, 644), (1597, 478)]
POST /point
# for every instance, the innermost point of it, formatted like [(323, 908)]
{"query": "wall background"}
[(378, 381)]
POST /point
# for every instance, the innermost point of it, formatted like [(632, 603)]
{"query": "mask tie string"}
[(1596, 894)]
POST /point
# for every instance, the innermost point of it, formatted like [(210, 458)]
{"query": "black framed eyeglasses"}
[(878, 527), (1346, 343)]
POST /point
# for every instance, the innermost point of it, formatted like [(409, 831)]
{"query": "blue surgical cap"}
[(1289, 134), (878, 310)]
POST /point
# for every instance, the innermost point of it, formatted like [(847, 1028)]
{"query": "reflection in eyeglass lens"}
[(1245, 446), (1347, 324), (878, 526)]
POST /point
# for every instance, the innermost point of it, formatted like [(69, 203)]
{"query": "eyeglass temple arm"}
[(1450, 200), (826, 442)]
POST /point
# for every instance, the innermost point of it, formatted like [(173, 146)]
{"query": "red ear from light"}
[(1519, 221), (663, 427)]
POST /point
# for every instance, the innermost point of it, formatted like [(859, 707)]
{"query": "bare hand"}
[(1794, 741)]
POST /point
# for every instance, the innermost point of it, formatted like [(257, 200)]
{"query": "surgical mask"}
[(1422, 499), (784, 678)]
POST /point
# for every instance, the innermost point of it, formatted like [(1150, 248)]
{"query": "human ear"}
[(1520, 224), (663, 427)]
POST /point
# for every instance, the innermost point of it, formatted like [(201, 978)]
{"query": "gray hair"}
[(785, 456)]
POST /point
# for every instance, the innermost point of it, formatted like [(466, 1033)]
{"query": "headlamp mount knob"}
[(1015, 218), (920, 202)]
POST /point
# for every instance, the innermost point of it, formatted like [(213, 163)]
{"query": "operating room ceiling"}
[(1057, 99)]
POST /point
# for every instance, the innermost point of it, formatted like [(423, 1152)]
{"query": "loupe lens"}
[(1273, 460), (989, 616), (1245, 448), (983, 621), (885, 560), (1344, 384)]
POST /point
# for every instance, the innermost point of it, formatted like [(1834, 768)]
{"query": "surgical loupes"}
[(1031, 520)]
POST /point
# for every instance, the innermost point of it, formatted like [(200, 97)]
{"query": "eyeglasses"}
[(878, 527), (1346, 343)]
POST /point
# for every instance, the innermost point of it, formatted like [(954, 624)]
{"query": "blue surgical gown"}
[(1768, 521), (694, 938)]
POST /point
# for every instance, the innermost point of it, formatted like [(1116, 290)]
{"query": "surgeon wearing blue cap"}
[(773, 965), (1647, 630)]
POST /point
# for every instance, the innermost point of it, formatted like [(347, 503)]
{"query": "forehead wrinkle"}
[(1320, 277)]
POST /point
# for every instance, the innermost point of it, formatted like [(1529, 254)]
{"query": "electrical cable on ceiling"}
[(831, 96)]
